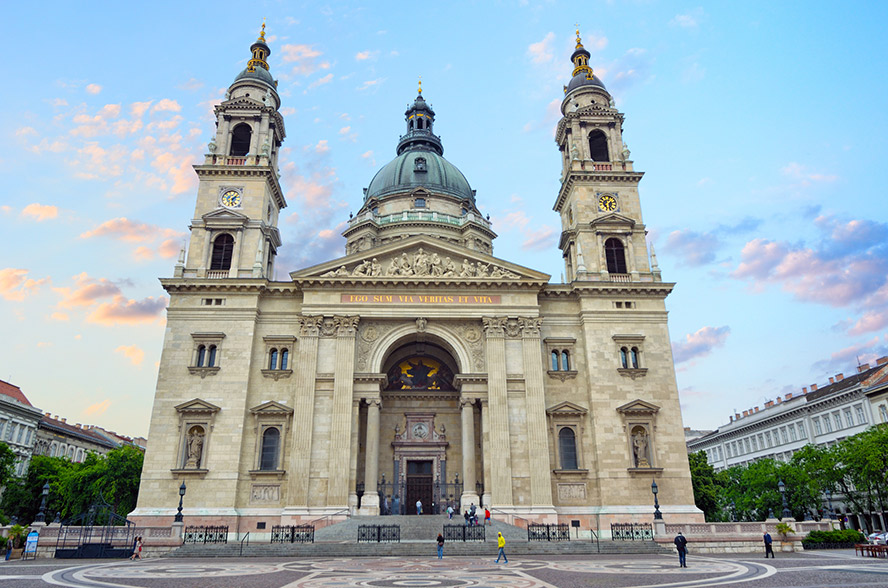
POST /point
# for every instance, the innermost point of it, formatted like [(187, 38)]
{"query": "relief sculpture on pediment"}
[(421, 265)]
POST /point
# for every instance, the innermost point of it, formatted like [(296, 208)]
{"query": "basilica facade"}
[(418, 367)]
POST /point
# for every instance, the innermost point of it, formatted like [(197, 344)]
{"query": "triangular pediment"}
[(613, 219), (223, 217), (421, 258), (271, 408), (566, 409), (241, 102), (197, 406), (638, 406)]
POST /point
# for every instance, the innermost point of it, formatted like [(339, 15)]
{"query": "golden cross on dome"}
[(262, 34), (579, 43), (420, 85)]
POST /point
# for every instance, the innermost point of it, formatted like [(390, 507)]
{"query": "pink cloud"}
[(692, 248), (40, 212), (305, 58), (700, 343), (541, 51), (137, 109), (321, 81), (542, 238), (124, 229), (121, 311), (93, 89), (87, 291), (170, 248), (16, 285), (132, 353), (802, 173), (166, 105), (97, 408), (869, 322)]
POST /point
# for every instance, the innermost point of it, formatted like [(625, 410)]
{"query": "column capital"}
[(466, 401), (309, 326), (377, 402), (346, 326), (494, 326), (530, 327)]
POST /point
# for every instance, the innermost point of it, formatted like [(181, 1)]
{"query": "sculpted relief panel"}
[(421, 265)]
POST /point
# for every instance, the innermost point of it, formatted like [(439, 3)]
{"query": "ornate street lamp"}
[(786, 512), (657, 514), (830, 512), (41, 516), (178, 517)]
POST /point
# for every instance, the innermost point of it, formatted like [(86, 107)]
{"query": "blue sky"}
[(759, 125)]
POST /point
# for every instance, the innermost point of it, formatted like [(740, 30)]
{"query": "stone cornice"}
[(210, 171), (594, 289), (584, 176), (417, 283)]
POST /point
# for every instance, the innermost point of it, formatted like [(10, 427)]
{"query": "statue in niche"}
[(194, 448), (625, 154), (574, 152), (640, 448), (211, 147)]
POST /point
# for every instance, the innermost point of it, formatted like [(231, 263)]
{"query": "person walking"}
[(419, 507), (501, 543), (450, 512), (768, 547), (137, 549), (466, 516), (440, 546), (487, 516), (681, 544)]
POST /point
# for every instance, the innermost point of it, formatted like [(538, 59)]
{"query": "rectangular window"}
[(838, 420), (883, 414), (746, 444), (754, 444), (817, 429), (849, 420), (3, 425), (10, 431), (827, 424), (802, 434), (792, 432), (783, 434), (861, 416), (768, 438)]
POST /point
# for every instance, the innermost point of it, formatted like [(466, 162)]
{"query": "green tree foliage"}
[(7, 461), (706, 487), (75, 486)]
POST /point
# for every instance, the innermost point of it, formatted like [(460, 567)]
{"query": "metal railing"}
[(293, 534), (510, 518), (632, 532), (379, 534), (326, 519), (538, 532), (464, 533), (594, 537), (247, 539), (206, 534)]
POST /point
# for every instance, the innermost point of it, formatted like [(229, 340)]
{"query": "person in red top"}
[(486, 516)]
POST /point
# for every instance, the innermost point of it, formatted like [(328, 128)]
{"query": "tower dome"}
[(582, 73)]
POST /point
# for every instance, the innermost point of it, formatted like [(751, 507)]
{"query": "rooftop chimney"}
[(46, 414), (813, 387), (862, 368), (769, 404), (732, 418), (746, 413), (832, 380), (804, 389), (779, 400), (756, 409), (64, 420), (840, 377), (788, 396)]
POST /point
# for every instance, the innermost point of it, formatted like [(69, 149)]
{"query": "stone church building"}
[(420, 366)]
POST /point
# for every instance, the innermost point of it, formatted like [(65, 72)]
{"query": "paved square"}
[(805, 570)]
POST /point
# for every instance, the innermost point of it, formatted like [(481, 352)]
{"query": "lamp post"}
[(830, 512), (658, 516), (733, 512), (786, 512), (41, 516), (178, 518)]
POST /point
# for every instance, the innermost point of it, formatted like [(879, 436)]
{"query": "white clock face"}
[(231, 199)]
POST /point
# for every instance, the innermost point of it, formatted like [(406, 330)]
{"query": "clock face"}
[(607, 203), (231, 199)]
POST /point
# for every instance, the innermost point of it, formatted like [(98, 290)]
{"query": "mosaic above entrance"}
[(420, 373)]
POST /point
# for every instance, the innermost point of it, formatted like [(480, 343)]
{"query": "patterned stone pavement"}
[(798, 570)]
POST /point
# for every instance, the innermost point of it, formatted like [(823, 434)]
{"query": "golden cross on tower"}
[(262, 34), (420, 85)]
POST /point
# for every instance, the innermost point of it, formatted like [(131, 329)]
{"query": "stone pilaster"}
[(498, 399), (341, 418), (537, 441), (303, 416), (370, 500), (353, 458), (469, 495), (485, 450)]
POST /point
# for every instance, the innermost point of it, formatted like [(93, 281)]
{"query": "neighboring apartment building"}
[(18, 424), (57, 438)]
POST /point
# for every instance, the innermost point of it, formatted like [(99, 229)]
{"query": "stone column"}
[(485, 451), (497, 396), (537, 438), (469, 495), (207, 254), (235, 254), (223, 146), (370, 500), (340, 426), (353, 454), (303, 416)]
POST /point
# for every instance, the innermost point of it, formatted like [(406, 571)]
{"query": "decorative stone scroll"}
[(571, 492), (421, 265), (265, 493)]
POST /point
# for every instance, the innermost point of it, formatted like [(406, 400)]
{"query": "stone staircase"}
[(418, 534)]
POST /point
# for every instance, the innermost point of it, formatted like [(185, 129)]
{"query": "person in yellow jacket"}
[(501, 542)]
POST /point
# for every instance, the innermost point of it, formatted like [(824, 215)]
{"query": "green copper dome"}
[(419, 168)]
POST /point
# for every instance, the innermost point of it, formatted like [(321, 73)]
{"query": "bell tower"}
[(234, 231), (603, 236)]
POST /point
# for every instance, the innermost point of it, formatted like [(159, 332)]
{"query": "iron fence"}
[(463, 533), (99, 532), (293, 534), (379, 534), (632, 532), (538, 532), (206, 534)]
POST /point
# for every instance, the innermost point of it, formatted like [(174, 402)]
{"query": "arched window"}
[(598, 146), (240, 139), (71, 453), (271, 440), (567, 448), (285, 356), (624, 357), (273, 359), (52, 450), (223, 247), (201, 355), (554, 361), (79, 458), (616, 258), (565, 361), (634, 355), (211, 360)]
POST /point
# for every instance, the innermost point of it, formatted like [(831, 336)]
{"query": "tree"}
[(706, 486), (7, 462)]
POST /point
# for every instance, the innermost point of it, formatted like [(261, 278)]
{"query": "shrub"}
[(837, 536)]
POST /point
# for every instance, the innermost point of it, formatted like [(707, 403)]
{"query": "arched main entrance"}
[(421, 442)]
